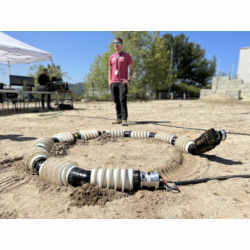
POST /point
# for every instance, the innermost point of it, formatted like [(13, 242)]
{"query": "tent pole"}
[(9, 70)]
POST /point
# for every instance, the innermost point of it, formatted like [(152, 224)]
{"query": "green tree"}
[(54, 71), (96, 83), (189, 62), (157, 66)]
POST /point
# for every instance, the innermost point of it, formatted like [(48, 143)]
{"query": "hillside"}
[(77, 88)]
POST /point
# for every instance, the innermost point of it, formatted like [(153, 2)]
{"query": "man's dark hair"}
[(45, 69), (119, 39)]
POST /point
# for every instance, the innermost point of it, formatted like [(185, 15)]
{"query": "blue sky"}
[(75, 50)]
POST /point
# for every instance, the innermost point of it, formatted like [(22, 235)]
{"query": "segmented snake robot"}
[(63, 172)]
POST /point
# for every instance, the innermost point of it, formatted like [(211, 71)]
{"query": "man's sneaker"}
[(124, 123), (117, 122)]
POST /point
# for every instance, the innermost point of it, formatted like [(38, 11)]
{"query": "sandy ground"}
[(23, 195)]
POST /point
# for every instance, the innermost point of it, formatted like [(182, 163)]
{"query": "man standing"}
[(44, 81), (119, 80)]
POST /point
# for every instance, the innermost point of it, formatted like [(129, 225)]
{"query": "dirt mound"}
[(60, 149), (51, 188), (8, 214), (103, 139), (90, 195)]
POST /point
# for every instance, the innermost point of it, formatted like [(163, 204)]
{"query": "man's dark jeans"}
[(45, 88), (119, 92), (48, 100)]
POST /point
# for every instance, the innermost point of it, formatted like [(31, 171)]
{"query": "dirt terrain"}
[(24, 195)]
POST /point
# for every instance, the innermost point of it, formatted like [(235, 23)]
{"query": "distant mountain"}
[(77, 88)]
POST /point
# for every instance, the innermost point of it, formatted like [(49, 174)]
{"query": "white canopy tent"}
[(13, 51)]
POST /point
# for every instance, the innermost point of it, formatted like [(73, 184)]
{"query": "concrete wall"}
[(234, 88), (245, 94), (236, 94), (206, 92)]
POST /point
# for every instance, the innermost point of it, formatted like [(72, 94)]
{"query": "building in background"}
[(238, 88), (244, 65)]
